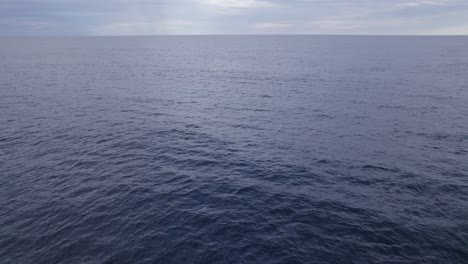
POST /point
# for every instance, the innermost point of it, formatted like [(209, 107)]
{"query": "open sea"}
[(234, 149)]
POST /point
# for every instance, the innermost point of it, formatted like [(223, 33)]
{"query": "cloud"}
[(334, 25), (237, 3), (234, 6), (143, 28), (137, 17), (423, 3), (270, 26)]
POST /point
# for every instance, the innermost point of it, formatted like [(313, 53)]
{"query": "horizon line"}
[(249, 35)]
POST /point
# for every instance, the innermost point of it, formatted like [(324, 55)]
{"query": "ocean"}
[(234, 149)]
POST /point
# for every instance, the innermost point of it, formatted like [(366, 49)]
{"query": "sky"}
[(187, 17)]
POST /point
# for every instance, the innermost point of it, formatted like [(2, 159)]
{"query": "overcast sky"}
[(155, 17)]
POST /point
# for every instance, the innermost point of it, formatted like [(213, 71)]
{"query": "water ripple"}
[(164, 153)]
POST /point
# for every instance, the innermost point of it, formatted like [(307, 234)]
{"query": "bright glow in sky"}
[(156, 17)]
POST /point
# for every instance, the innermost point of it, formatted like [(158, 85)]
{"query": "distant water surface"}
[(234, 149)]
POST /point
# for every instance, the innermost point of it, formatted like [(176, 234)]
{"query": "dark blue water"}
[(234, 150)]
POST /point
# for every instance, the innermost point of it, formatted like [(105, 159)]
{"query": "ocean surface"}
[(234, 149)]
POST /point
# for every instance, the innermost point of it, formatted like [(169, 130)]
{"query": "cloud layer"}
[(155, 17)]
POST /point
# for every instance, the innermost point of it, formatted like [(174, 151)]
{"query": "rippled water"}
[(234, 150)]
